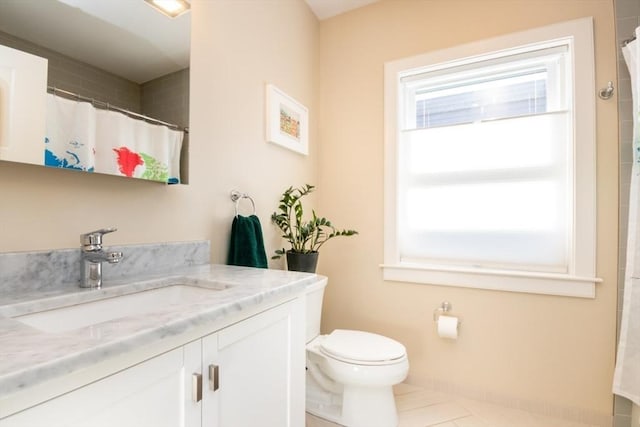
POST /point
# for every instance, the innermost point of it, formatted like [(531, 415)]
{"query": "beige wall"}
[(237, 47), (551, 354)]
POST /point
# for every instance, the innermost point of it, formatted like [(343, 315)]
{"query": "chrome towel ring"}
[(236, 196)]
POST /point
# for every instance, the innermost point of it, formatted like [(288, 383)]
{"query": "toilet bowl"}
[(351, 374)]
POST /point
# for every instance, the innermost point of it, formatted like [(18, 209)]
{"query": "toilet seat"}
[(362, 348)]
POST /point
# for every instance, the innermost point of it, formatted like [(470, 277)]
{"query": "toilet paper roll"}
[(448, 327)]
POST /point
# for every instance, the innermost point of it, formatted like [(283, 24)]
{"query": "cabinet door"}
[(260, 364), (23, 91), (150, 394)]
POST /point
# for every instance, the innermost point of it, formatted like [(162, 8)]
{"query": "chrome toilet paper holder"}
[(445, 307)]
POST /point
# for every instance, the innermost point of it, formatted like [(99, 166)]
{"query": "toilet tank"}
[(314, 294)]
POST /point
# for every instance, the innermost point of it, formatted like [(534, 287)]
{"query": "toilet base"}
[(322, 403), (354, 407), (369, 407)]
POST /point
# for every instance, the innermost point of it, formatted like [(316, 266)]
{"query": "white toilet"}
[(351, 374)]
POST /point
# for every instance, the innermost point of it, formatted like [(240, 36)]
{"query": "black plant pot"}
[(297, 261)]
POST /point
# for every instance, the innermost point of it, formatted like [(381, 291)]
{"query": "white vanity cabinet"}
[(248, 374), (148, 394), (260, 371)]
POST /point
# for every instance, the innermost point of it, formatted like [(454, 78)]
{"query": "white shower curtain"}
[(626, 381)]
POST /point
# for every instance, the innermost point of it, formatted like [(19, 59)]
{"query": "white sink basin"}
[(93, 312)]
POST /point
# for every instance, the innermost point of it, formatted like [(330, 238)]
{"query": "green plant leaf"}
[(303, 236)]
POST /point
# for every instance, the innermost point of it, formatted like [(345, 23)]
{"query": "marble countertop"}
[(30, 356)]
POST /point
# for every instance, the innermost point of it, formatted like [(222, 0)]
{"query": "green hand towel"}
[(247, 245)]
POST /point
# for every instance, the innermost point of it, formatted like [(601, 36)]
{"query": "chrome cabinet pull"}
[(213, 377), (196, 387)]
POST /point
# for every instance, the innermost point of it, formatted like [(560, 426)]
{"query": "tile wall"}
[(77, 77), (167, 98)]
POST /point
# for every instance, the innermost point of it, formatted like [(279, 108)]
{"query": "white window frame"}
[(580, 279)]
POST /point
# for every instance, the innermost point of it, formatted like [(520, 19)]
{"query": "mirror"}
[(124, 53)]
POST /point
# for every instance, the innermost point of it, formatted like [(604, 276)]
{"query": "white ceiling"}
[(128, 38), (125, 37), (327, 8)]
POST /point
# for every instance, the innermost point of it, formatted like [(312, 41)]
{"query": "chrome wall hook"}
[(607, 92)]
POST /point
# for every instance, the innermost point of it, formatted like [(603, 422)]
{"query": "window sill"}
[(499, 280)]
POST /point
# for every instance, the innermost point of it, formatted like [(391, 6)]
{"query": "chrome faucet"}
[(92, 256)]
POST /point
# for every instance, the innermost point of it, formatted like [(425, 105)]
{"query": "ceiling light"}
[(171, 8)]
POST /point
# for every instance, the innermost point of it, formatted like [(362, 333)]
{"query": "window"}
[(490, 176)]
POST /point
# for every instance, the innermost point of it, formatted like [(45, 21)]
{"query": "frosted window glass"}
[(522, 206), (511, 143), (491, 193)]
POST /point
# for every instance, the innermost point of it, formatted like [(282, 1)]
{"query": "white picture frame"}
[(287, 121)]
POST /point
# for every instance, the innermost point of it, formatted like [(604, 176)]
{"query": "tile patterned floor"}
[(422, 408)]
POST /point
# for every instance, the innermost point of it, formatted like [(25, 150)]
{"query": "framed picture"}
[(287, 121)]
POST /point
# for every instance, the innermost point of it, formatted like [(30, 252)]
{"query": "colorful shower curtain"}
[(626, 381), (136, 149), (82, 137), (70, 136)]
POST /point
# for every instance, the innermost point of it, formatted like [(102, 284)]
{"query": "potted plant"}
[(305, 237)]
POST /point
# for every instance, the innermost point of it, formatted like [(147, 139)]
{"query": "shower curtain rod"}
[(105, 105)]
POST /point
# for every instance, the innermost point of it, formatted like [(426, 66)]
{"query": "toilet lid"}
[(361, 346)]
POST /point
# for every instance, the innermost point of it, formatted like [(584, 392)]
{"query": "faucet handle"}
[(93, 239)]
